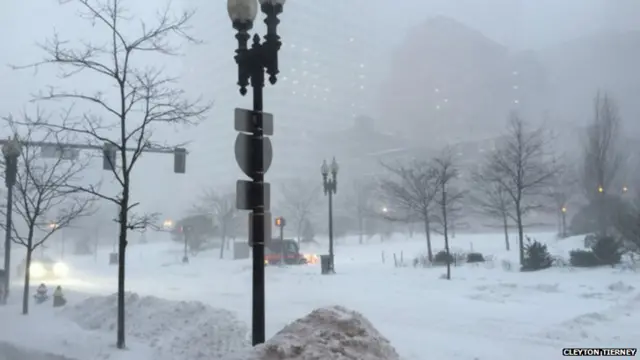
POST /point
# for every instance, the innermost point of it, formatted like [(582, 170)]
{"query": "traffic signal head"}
[(108, 157), (280, 222), (179, 160)]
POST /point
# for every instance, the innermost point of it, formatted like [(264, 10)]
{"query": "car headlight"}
[(37, 270), (60, 269)]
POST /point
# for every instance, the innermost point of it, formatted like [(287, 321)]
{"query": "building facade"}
[(326, 78)]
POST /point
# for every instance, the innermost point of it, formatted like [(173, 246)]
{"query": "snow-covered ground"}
[(484, 312)]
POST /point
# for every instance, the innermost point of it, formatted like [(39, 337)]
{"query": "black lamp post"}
[(252, 64), (330, 187), (11, 151)]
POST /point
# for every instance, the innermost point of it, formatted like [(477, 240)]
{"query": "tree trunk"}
[(122, 249), (520, 233), (505, 226), (427, 231), (224, 238), (27, 278), (446, 235), (360, 229)]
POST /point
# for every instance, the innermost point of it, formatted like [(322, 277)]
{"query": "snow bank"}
[(179, 330), (333, 333), (12, 352)]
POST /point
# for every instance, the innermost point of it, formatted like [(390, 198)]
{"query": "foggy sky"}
[(521, 24)]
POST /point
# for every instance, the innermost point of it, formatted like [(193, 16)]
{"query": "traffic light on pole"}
[(108, 157), (179, 160)]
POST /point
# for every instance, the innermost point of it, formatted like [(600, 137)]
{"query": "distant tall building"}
[(621, 15), (327, 72)]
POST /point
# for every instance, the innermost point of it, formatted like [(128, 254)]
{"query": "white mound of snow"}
[(178, 330), (11, 352), (332, 333)]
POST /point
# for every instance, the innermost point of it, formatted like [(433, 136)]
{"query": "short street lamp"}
[(11, 151), (252, 64), (330, 187), (564, 221)]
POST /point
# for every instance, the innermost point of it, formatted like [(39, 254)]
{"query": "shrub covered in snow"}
[(608, 250), (536, 256), (442, 258), (332, 333), (605, 250), (185, 330), (583, 258), (475, 257)]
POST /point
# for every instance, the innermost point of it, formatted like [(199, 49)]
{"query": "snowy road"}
[(484, 312)]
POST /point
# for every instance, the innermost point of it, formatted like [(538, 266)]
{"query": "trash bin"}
[(113, 258), (326, 264)]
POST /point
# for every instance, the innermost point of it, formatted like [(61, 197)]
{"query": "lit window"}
[(352, 39), (446, 100), (305, 49), (284, 78), (436, 90), (304, 73), (437, 107), (295, 82), (313, 86), (361, 87), (293, 92), (293, 69), (516, 101), (327, 90), (515, 87), (515, 73), (361, 66), (293, 45)]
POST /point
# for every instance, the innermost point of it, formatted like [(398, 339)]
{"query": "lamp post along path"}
[(11, 150), (252, 63), (330, 185)]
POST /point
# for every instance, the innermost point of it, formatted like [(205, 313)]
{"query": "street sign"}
[(245, 147), (245, 120), (58, 152), (256, 221), (248, 195)]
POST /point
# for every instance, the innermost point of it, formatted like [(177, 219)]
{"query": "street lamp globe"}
[(242, 12), (334, 167), (11, 148), (324, 169)]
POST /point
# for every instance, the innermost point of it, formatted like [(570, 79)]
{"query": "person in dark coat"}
[(58, 297)]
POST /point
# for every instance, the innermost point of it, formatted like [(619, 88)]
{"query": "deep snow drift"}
[(12, 352), (331, 333), (177, 330)]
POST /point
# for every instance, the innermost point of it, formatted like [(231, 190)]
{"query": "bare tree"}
[(520, 166), (299, 201), (360, 200), (137, 97), (561, 190), (224, 213), (42, 200), (602, 157), (411, 194), (490, 198), (446, 172)]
